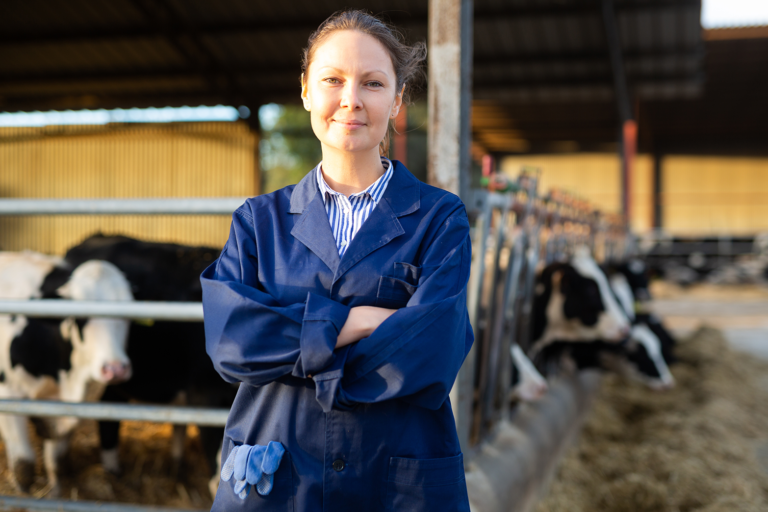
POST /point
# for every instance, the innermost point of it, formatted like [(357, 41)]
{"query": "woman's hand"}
[(361, 322)]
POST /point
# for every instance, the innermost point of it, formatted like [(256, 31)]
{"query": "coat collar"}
[(401, 197), (402, 192)]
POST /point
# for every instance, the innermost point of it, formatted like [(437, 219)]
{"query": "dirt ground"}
[(701, 447), (148, 476)]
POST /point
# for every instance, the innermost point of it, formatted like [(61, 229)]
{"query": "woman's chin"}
[(352, 145)]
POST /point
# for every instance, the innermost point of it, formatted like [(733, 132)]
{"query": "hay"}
[(693, 449), (148, 478)]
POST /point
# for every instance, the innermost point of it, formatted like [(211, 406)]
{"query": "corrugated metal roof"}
[(530, 56)]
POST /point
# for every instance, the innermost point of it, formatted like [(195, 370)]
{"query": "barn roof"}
[(542, 74)]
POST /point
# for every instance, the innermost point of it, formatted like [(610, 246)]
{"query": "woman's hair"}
[(406, 60)]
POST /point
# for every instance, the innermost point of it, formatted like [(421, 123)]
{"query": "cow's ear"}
[(64, 291)]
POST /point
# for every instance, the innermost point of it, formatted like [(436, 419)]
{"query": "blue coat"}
[(368, 427)]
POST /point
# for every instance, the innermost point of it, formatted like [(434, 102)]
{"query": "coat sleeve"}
[(249, 336), (417, 352)]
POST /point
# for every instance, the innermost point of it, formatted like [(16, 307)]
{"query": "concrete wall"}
[(511, 471)]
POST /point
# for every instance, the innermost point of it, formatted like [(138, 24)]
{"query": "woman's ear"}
[(398, 103), (305, 94)]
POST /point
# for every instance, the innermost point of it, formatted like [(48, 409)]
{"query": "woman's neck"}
[(349, 173)]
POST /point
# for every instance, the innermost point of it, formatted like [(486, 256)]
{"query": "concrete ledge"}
[(511, 471)]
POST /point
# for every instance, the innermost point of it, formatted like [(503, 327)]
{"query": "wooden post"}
[(448, 132), (450, 94)]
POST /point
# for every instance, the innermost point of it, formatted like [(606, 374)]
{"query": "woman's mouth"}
[(349, 125)]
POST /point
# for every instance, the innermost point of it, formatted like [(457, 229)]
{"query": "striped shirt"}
[(347, 214)]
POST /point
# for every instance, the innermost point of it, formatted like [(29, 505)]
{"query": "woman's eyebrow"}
[(364, 73)]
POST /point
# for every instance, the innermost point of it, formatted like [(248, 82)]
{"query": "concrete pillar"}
[(450, 94), (448, 135)]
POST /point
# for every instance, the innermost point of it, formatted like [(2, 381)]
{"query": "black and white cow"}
[(170, 364), (629, 282), (53, 358), (636, 358), (574, 302), (570, 300)]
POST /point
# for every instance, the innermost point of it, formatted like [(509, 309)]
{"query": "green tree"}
[(288, 148)]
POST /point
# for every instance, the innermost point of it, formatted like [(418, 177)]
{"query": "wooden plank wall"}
[(593, 176), (715, 195), (700, 195), (121, 161)]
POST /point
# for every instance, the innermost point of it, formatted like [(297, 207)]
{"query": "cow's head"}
[(574, 302), (641, 360), (635, 272), (98, 344)]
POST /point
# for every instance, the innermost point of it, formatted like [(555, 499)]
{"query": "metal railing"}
[(514, 232)]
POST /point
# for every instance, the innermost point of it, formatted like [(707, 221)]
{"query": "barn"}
[(576, 132)]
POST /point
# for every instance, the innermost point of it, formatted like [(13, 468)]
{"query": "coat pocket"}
[(427, 485), (279, 499), (393, 293)]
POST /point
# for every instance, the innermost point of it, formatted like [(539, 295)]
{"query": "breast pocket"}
[(426, 485), (396, 288)]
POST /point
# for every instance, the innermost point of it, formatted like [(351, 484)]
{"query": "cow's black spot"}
[(582, 297), (156, 271), (40, 348), (55, 279), (2, 376)]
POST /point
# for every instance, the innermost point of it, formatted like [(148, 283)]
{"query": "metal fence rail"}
[(160, 206), (113, 412), (139, 310), (13, 503)]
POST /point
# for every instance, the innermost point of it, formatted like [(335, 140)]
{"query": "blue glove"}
[(254, 465)]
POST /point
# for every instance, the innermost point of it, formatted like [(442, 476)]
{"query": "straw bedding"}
[(148, 476), (701, 447)]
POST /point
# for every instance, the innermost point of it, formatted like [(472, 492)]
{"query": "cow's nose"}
[(625, 331), (116, 372)]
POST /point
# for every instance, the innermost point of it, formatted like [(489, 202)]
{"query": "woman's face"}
[(351, 92)]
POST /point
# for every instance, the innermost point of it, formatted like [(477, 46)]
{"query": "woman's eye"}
[(332, 80), (376, 84)]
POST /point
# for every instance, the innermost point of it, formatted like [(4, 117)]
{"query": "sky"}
[(733, 13)]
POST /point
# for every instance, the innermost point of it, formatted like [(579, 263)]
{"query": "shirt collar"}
[(374, 191)]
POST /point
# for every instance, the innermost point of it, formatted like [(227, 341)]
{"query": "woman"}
[(340, 305)]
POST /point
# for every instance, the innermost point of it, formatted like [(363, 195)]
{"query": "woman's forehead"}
[(352, 51)]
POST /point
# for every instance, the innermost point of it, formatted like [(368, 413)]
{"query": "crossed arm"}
[(354, 354), (361, 323)]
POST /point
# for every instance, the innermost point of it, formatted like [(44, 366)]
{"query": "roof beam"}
[(309, 23)]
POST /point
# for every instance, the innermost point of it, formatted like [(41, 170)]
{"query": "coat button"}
[(338, 465)]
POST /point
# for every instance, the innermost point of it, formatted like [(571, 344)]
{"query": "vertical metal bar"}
[(450, 94), (623, 102), (514, 269), (494, 331), (657, 190), (463, 391), (480, 418)]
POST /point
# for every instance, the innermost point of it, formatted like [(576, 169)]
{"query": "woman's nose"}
[(350, 98)]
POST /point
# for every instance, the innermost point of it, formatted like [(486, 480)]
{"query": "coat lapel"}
[(313, 228), (382, 226)]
